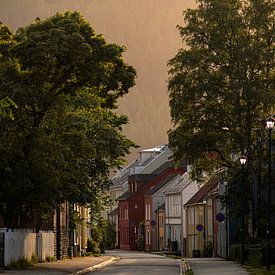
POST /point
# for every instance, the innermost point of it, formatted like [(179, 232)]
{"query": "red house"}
[(131, 205)]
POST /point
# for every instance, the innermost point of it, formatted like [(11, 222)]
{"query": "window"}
[(191, 215), (175, 205), (147, 212)]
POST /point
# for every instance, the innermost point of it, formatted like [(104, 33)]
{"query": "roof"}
[(204, 191), (160, 208), (160, 184), (116, 181), (179, 183), (114, 212), (125, 196), (154, 149)]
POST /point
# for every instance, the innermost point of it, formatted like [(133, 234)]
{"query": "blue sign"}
[(199, 227), (153, 223), (220, 217)]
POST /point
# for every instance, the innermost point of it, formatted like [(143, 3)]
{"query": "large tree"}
[(221, 85), (64, 80)]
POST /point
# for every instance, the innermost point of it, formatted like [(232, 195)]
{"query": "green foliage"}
[(23, 263), (262, 271), (50, 259), (34, 259), (224, 78), (93, 246), (103, 234), (141, 239), (255, 258), (207, 249), (65, 136)]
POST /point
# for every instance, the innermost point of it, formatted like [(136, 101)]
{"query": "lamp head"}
[(243, 160), (270, 122)]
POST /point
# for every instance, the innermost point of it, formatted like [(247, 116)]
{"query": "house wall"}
[(161, 229), (124, 225), (194, 216), (150, 237)]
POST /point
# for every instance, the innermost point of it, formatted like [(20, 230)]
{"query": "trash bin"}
[(196, 253)]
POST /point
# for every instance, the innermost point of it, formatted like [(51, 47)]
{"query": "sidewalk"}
[(77, 265), (212, 266)]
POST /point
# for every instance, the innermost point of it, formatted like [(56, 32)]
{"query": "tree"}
[(221, 86), (222, 89), (65, 137)]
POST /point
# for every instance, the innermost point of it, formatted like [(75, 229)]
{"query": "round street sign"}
[(153, 222), (220, 217), (199, 227)]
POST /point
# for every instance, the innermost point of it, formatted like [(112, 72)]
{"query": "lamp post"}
[(158, 226), (226, 220), (204, 222), (269, 126), (243, 160)]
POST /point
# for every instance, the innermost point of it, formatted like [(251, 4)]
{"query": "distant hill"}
[(147, 28)]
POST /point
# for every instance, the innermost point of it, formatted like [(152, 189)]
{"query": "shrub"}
[(93, 246), (207, 249), (34, 259), (50, 259), (21, 264)]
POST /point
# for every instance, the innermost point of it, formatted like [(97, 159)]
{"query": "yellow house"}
[(200, 225)]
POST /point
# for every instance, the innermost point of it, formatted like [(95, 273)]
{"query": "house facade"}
[(202, 226), (132, 207), (148, 161), (177, 193)]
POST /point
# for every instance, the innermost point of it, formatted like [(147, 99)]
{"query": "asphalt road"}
[(139, 263), (215, 266)]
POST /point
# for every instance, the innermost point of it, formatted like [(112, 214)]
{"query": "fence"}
[(23, 243)]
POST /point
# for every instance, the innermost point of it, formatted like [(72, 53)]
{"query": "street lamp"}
[(226, 221), (204, 221), (269, 126), (158, 227), (243, 160)]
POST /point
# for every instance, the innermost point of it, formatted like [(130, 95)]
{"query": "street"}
[(137, 263), (212, 266)]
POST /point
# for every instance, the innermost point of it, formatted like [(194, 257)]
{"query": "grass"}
[(24, 263), (21, 264), (262, 271)]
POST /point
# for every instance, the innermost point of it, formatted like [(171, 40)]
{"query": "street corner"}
[(97, 266)]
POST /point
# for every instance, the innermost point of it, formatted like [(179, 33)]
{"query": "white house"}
[(177, 193)]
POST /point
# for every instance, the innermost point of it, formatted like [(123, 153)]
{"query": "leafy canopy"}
[(221, 86), (63, 81)]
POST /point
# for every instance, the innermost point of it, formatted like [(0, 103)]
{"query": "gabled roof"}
[(179, 183), (125, 196), (160, 184), (114, 212), (160, 208), (207, 188), (117, 181)]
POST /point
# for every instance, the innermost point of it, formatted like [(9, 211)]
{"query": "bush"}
[(235, 252), (93, 246), (255, 258), (21, 264), (207, 249), (50, 259), (34, 259)]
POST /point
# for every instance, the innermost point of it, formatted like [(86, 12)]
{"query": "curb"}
[(184, 266), (96, 267)]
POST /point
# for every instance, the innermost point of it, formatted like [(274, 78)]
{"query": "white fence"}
[(23, 243)]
